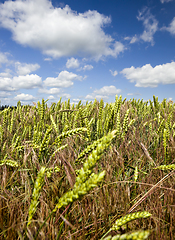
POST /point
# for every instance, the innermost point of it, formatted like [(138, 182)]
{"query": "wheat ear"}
[(128, 218), (166, 167), (64, 135), (139, 235), (36, 194), (86, 180), (123, 221)]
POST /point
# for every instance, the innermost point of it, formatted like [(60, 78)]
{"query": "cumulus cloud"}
[(114, 73), (98, 97), (51, 97), (6, 84), (65, 79), (57, 31), (76, 99), (148, 76), (50, 91), (24, 97), (108, 90), (104, 92), (4, 94), (130, 94), (72, 63), (27, 82), (6, 74), (17, 82), (24, 68)]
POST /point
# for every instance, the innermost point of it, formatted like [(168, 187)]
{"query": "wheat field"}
[(88, 171)]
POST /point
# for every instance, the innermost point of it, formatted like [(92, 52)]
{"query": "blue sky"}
[(87, 49)]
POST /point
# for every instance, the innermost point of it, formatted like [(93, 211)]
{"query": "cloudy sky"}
[(87, 49)]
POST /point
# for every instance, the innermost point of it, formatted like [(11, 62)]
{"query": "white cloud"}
[(4, 94), (104, 92), (85, 68), (148, 76), (163, 1), (150, 25), (49, 91), (24, 68), (108, 90), (6, 74), (114, 73), (88, 67), (65, 79), (65, 95), (137, 94), (134, 39), (57, 31), (48, 59), (24, 97), (90, 96), (76, 99), (72, 63), (27, 82), (171, 27), (51, 97), (15, 83), (6, 84)]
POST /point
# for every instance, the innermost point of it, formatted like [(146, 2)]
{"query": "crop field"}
[(88, 171)]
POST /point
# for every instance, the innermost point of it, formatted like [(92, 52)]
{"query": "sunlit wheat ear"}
[(128, 218), (86, 180), (125, 124), (45, 141), (137, 235), (88, 150), (80, 190), (51, 170), (8, 162), (36, 194), (85, 172), (59, 149), (54, 124), (166, 167), (70, 133)]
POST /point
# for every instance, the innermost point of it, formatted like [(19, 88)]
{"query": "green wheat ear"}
[(86, 180), (128, 218), (137, 235), (166, 167), (36, 193), (123, 221), (9, 162)]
